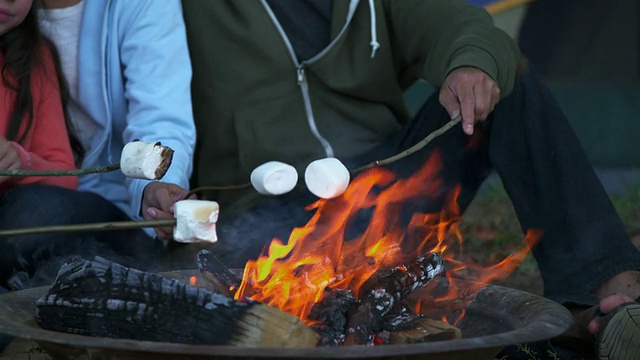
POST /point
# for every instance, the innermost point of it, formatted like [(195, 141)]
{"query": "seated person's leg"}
[(585, 255), (41, 255)]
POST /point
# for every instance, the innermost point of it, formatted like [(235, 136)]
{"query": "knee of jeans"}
[(34, 205), (34, 193)]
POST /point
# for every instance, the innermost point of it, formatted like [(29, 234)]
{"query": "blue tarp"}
[(483, 2)]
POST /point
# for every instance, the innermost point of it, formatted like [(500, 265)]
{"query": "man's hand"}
[(157, 203), (9, 158), (471, 93)]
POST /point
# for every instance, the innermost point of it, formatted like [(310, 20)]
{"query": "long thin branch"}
[(215, 188), (386, 161), (116, 225), (412, 149), (123, 225), (75, 172)]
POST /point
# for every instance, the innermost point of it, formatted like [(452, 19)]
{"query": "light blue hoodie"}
[(134, 80)]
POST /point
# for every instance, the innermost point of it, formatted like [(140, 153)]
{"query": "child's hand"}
[(157, 203), (9, 158)]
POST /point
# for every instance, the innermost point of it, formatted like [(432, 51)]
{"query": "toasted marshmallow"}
[(327, 178), (144, 160), (274, 178), (195, 221)]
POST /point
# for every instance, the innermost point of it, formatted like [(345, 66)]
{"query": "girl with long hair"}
[(35, 132)]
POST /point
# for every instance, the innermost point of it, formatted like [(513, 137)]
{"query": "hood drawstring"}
[(374, 32)]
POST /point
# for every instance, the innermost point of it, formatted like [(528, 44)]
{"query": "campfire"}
[(319, 287)]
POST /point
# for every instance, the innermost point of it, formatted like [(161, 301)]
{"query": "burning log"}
[(330, 316), (213, 270), (424, 330), (101, 298), (400, 318), (381, 292)]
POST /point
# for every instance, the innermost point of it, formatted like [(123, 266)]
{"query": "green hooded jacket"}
[(254, 102)]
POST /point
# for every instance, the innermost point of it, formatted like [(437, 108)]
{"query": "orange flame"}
[(292, 276), (193, 280)]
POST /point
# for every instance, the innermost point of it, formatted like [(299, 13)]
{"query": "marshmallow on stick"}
[(144, 160), (195, 221), (327, 178), (274, 178)]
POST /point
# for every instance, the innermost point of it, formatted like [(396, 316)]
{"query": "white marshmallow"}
[(144, 160), (327, 178), (274, 178), (195, 221)]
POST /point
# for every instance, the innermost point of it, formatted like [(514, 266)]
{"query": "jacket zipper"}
[(304, 87), (301, 75)]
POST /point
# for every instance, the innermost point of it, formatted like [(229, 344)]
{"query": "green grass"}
[(491, 231), (628, 205)]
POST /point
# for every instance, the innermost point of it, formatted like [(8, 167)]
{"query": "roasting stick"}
[(195, 221), (412, 149), (139, 160), (75, 172), (119, 225), (328, 178)]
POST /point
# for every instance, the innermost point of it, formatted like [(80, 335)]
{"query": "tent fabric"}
[(576, 42), (589, 53)]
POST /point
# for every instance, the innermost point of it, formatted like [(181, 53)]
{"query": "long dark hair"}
[(22, 48)]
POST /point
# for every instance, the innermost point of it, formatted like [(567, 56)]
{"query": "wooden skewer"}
[(386, 161), (105, 226), (124, 225), (412, 149), (75, 172)]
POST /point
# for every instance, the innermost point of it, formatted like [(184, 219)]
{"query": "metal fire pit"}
[(496, 317)]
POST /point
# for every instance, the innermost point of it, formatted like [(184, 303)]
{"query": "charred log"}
[(401, 317), (425, 330), (214, 271), (330, 316), (102, 298), (382, 291)]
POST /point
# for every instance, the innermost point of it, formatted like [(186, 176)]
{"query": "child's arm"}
[(49, 147)]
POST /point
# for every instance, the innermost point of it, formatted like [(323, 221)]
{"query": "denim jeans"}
[(529, 142), (5, 340), (38, 257)]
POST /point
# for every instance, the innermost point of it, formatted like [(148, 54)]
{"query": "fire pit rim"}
[(551, 319)]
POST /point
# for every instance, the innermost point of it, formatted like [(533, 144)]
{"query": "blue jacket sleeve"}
[(157, 72)]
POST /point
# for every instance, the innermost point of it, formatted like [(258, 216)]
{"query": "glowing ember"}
[(192, 280), (292, 276)]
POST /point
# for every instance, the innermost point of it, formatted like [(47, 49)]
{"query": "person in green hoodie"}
[(296, 81)]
